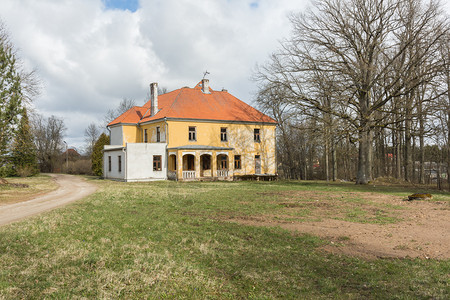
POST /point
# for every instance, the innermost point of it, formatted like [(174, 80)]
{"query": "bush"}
[(7, 170), (79, 167), (25, 171)]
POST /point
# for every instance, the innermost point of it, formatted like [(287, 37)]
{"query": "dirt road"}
[(71, 188)]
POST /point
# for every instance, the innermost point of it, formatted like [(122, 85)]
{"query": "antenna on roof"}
[(204, 74)]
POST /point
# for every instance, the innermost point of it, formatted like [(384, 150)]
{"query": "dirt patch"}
[(71, 188), (368, 225)]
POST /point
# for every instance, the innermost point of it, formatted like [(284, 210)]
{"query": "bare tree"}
[(48, 134), (124, 105), (91, 135), (362, 46)]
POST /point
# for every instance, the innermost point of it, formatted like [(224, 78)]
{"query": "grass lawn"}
[(36, 185), (171, 240)]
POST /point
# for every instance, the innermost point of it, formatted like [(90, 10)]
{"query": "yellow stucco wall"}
[(131, 134), (239, 136), (151, 132)]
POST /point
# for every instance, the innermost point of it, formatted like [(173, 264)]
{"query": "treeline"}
[(361, 90)]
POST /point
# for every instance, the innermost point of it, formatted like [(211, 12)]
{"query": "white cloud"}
[(90, 57)]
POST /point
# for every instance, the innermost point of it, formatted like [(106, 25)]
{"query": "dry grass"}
[(166, 240), (37, 185)]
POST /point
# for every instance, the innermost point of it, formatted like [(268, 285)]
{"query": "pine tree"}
[(10, 95), (23, 152), (97, 154)]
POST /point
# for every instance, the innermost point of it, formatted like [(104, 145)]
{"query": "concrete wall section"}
[(140, 161), (113, 154), (116, 135)]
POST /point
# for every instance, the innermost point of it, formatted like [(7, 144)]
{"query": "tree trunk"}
[(398, 167), (334, 161), (327, 167), (407, 146), (363, 175), (421, 143)]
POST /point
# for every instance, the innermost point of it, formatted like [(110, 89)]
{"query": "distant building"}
[(70, 154)]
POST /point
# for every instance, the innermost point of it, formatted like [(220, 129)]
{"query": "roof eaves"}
[(274, 123), (122, 116), (152, 121)]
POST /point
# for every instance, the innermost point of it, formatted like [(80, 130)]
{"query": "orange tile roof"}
[(192, 103)]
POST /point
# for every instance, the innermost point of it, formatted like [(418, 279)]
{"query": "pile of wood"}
[(3, 181), (420, 197)]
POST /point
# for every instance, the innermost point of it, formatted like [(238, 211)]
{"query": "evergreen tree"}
[(23, 152), (97, 154), (10, 95)]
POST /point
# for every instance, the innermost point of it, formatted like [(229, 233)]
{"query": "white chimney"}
[(154, 97), (205, 86)]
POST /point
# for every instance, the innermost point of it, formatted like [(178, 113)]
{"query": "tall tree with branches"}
[(362, 45), (17, 87)]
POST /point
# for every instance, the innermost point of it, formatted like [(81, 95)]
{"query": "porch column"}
[(179, 165), (230, 164), (197, 164), (214, 164)]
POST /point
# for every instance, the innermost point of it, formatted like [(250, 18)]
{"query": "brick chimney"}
[(154, 97), (205, 86)]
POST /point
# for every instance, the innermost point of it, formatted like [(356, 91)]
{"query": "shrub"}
[(25, 171)]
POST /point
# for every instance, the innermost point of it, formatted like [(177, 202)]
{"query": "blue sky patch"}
[(254, 5), (131, 5)]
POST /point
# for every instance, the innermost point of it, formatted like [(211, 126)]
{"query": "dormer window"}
[(192, 133), (223, 134)]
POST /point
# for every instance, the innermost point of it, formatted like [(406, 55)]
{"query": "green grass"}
[(38, 184), (172, 240)]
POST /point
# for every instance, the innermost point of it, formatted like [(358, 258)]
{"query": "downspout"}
[(167, 143), (275, 149)]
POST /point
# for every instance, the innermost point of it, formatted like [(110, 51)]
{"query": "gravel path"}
[(71, 188)]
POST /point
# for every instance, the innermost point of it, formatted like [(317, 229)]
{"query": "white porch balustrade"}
[(188, 174), (222, 173)]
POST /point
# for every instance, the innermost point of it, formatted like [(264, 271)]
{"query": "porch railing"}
[(188, 174), (222, 173)]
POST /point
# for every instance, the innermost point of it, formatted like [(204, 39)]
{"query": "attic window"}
[(145, 136), (192, 133), (158, 134)]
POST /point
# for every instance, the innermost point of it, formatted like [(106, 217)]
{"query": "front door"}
[(257, 164)]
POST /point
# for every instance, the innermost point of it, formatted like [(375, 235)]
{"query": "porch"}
[(200, 163)]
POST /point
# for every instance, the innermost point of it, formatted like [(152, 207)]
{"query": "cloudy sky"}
[(90, 54)]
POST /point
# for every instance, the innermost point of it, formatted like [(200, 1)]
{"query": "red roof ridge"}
[(192, 103), (121, 117), (124, 115), (174, 101)]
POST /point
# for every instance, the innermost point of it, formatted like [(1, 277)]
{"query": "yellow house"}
[(191, 134)]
